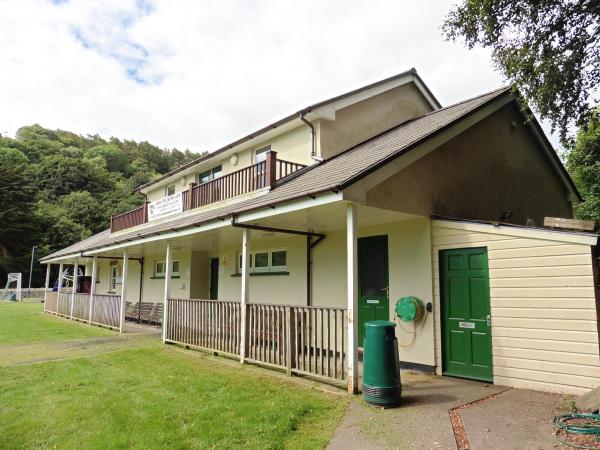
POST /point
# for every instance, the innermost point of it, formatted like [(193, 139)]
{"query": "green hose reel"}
[(410, 309)]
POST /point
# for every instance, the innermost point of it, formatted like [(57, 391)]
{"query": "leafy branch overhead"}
[(549, 49)]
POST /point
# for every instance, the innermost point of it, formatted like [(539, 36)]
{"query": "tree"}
[(58, 187), (583, 162), (549, 49), (19, 227), (116, 160)]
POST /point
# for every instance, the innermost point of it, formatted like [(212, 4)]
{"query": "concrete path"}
[(136, 337), (511, 419), (516, 419)]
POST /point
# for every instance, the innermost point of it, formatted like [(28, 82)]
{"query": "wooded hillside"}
[(57, 187)]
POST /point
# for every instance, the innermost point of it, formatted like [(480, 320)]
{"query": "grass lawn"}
[(159, 397), (23, 323)]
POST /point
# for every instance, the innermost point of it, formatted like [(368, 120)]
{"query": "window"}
[(159, 269), (261, 261), (114, 278), (279, 259), (210, 175), (170, 189), (274, 260), (261, 155)]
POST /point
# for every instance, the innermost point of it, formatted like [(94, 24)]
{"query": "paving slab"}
[(422, 422), (515, 419)]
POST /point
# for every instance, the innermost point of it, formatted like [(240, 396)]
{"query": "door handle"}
[(386, 290), (489, 320)]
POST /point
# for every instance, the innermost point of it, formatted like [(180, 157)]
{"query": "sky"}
[(199, 74)]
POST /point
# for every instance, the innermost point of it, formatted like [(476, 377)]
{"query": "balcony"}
[(261, 175)]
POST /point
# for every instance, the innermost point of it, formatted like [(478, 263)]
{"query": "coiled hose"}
[(587, 424)]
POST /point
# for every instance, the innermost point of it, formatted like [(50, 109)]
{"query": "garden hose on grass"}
[(585, 424)]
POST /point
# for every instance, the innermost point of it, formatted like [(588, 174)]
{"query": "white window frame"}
[(261, 151), (114, 278), (270, 267), (213, 174), (158, 274), (169, 186), (277, 268)]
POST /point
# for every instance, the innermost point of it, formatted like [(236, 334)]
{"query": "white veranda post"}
[(167, 293), (123, 292), (93, 287), (245, 294), (74, 289), (352, 290), (60, 281), (47, 285)]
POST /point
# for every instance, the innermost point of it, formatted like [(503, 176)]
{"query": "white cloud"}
[(198, 75)]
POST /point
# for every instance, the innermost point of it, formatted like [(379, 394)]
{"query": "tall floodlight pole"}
[(31, 266)]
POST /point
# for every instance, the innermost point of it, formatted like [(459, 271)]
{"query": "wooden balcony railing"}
[(263, 174), (129, 219)]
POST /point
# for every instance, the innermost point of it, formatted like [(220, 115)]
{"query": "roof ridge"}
[(502, 88)]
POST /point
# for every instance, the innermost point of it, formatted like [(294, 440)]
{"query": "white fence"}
[(104, 311), (299, 339)]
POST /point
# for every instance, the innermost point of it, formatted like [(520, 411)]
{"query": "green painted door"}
[(373, 302), (214, 278), (465, 291)]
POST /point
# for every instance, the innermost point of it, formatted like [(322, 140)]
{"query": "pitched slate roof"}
[(333, 174)]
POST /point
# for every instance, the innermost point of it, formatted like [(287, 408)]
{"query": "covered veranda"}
[(303, 320)]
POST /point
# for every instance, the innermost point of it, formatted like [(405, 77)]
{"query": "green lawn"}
[(23, 323), (158, 397)]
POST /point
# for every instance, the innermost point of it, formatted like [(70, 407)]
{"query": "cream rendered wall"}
[(544, 331), (294, 145), (370, 117), (277, 289), (154, 287), (409, 262), (103, 280)]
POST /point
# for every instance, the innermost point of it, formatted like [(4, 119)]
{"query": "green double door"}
[(373, 282), (466, 322)]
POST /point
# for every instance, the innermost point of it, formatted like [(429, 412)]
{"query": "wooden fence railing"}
[(129, 219), (319, 342), (51, 303), (240, 182), (81, 307), (285, 168), (236, 183), (305, 340), (64, 304), (206, 324), (105, 309)]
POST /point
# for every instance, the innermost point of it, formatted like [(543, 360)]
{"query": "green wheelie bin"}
[(381, 365)]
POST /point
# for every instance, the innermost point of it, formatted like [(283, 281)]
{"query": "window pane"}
[(176, 267), (279, 258), (204, 177), (261, 155), (261, 260), (171, 189), (216, 172), (160, 267)]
